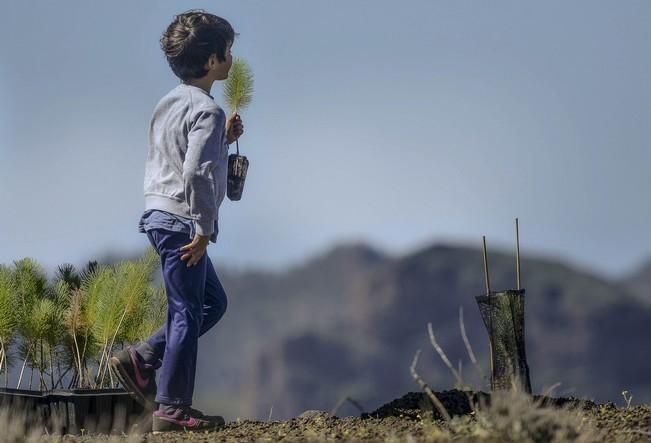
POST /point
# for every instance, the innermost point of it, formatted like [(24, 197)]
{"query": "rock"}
[(314, 413)]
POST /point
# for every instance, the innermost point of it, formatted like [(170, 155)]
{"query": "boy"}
[(185, 183)]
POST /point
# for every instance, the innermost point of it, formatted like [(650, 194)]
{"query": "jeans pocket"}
[(151, 240)]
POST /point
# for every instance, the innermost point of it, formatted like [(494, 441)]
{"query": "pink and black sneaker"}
[(185, 418), (137, 378)]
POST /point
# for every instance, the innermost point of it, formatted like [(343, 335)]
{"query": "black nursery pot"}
[(105, 411), (22, 409), (237, 167)]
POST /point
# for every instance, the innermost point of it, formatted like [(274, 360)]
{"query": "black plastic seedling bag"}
[(237, 167)]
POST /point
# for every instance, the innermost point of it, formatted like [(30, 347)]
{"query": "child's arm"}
[(204, 148)]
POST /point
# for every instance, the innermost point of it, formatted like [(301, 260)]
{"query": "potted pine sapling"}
[(8, 320), (32, 308), (25, 286), (27, 403), (65, 332), (110, 305), (238, 91)]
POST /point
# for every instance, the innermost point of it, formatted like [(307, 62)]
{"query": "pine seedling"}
[(238, 88), (88, 271), (137, 294), (30, 281), (155, 315), (8, 318), (97, 286), (61, 345), (67, 273), (76, 329), (109, 313), (47, 322), (30, 284), (120, 316), (82, 315)]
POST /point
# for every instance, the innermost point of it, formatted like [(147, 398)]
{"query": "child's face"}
[(221, 69)]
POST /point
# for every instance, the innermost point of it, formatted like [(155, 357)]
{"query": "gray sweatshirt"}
[(187, 161)]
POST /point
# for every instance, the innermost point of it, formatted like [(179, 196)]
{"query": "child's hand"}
[(234, 128), (196, 249)]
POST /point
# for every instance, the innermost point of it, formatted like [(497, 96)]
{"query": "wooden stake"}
[(490, 314), (517, 253), (486, 278)]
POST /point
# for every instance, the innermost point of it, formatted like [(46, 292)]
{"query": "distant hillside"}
[(348, 322), (581, 330), (638, 283)]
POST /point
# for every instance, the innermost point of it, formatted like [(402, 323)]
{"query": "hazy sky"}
[(398, 123)]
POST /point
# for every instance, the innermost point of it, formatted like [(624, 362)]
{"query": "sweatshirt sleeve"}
[(204, 146)]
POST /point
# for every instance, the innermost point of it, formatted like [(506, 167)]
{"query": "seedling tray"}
[(76, 411)]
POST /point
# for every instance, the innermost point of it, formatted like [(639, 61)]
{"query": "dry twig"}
[(547, 392), (342, 401), (444, 357), (437, 403), (473, 359)]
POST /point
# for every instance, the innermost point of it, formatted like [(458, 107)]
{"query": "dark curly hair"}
[(191, 38)]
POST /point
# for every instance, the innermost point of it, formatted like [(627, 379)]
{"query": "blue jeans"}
[(196, 301)]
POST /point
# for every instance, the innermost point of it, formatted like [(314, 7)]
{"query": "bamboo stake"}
[(82, 360), (20, 378), (60, 376), (490, 315), (110, 371), (101, 361), (517, 253), (63, 375), (41, 367), (78, 355), (110, 348), (88, 375), (4, 356), (73, 380), (51, 366), (3, 359), (486, 278)]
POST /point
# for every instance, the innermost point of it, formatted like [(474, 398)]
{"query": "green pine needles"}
[(65, 332), (8, 317), (238, 88)]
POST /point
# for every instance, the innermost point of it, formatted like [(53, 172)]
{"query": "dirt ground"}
[(412, 418)]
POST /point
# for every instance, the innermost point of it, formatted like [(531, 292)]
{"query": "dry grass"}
[(513, 416)]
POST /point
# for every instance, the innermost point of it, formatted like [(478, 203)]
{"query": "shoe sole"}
[(161, 426), (132, 389)]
